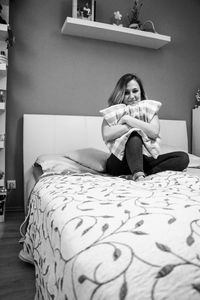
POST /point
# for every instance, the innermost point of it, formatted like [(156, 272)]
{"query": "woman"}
[(129, 91)]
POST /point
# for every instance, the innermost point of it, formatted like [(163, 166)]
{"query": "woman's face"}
[(132, 93)]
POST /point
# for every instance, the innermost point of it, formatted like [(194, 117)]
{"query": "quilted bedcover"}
[(93, 236)]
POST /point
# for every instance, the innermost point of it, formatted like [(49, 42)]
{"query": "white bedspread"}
[(99, 237)]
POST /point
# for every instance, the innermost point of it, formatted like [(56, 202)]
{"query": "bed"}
[(94, 236)]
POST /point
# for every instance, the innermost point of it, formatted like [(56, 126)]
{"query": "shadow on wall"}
[(65, 10)]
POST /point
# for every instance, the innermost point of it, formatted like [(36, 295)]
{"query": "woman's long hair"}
[(117, 96)]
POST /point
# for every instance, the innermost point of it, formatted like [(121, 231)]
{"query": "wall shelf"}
[(2, 106), (112, 33), (1, 182), (3, 31), (3, 69), (1, 144)]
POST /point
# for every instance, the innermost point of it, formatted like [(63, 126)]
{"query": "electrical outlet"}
[(11, 184)]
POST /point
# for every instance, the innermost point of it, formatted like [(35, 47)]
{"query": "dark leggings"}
[(134, 161)]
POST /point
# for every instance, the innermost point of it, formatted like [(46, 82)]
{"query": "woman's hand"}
[(125, 120), (111, 133), (151, 129)]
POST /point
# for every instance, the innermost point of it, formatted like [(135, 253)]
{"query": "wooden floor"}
[(16, 277)]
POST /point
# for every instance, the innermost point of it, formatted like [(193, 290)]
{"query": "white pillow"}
[(59, 164), (143, 110), (92, 158)]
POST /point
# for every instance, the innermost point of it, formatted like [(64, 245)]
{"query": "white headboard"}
[(58, 134)]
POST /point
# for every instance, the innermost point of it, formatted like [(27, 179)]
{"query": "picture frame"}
[(83, 9)]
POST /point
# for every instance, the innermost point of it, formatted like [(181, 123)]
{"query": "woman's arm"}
[(151, 129), (110, 133)]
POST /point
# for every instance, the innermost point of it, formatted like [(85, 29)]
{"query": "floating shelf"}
[(1, 184), (113, 33), (3, 69), (2, 106), (2, 144), (3, 31)]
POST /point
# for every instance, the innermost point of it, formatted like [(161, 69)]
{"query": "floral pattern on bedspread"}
[(99, 237)]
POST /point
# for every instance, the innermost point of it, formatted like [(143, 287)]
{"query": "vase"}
[(118, 23)]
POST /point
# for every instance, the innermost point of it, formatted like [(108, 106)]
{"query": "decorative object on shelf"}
[(83, 9), (1, 174), (197, 95), (134, 20), (148, 26), (3, 58), (117, 19), (133, 16), (11, 38), (2, 21), (2, 96)]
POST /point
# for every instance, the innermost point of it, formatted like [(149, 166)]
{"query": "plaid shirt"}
[(143, 110)]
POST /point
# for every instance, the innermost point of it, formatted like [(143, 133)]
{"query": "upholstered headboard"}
[(58, 133)]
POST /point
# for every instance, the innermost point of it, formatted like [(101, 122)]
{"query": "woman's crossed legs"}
[(136, 164)]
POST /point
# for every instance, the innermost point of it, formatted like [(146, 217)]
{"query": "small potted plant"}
[(133, 16), (117, 18)]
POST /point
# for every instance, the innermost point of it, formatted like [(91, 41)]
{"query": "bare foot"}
[(138, 176)]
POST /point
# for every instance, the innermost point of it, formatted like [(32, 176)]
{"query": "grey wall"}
[(51, 73)]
